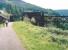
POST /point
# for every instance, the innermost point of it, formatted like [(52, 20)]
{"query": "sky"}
[(50, 4)]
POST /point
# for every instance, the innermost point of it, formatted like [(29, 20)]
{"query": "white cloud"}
[(50, 4)]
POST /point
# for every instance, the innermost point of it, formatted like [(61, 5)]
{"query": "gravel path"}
[(9, 40)]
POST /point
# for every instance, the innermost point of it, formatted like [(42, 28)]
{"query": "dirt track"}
[(9, 40)]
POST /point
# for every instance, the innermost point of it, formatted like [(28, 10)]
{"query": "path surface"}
[(9, 40)]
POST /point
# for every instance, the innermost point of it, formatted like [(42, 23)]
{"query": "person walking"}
[(6, 23)]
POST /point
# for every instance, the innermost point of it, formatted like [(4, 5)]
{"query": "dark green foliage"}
[(59, 22)]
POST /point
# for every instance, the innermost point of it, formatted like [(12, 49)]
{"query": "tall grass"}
[(1, 25), (39, 38)]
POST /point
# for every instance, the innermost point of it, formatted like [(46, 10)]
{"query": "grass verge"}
[(1, 25), (39, 38)]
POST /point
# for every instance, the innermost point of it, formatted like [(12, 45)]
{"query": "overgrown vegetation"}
[(41, 38), (1, 25), (59, 22)]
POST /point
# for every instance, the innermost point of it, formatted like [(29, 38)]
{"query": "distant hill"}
[(62, 12), (18, 6)]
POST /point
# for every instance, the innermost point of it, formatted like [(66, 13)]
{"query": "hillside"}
[(16, 6), (62, 12)]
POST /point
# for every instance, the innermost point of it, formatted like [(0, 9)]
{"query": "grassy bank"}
[(1, 25), (39, 38)]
